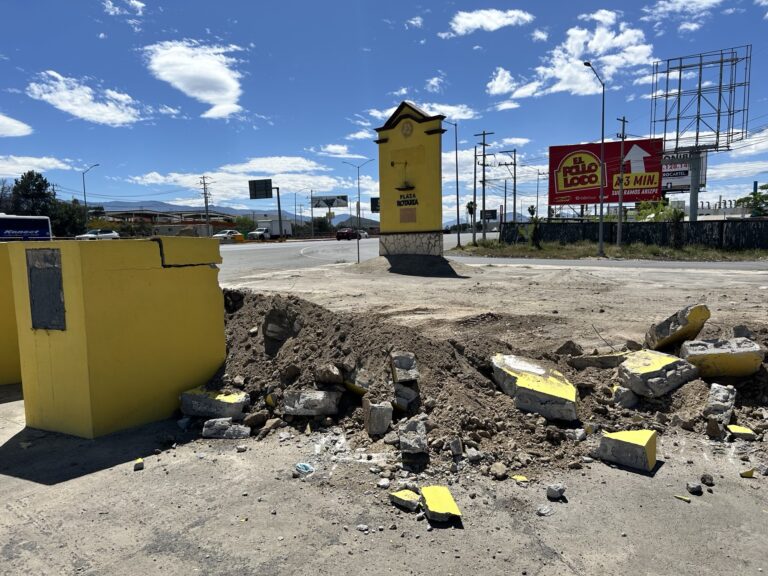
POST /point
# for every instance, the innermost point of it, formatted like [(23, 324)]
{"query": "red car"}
[(346, 234)]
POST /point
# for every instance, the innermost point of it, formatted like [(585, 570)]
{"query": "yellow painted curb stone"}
[(439, 503)]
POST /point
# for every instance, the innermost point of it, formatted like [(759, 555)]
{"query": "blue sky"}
[(160, 92)]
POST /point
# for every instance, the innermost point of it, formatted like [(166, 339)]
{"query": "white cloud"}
[(691, 12), (451, 111), (527, 90), (506, 105), (205, 73), (415, 22), (337, 151), (515, 141), (689, 27), (756, 143), (477, 47), (539, 35), (360, 120), (402, 91), (489, 20), (168, 110), (11, 127), (731, 170), (133, 9), (138, 7), (275, 165), (435, 84), (501, 82), (359, 135), (112, 9), (644, 79), (102, 36), (14, 166), (762, 3), (111, 108), (605, 17)]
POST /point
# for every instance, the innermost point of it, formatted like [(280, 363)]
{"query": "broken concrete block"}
[(403, 367), (413, 438), (624, 397), (256, 419), (439, 504), (407, 499), (715, 429), (748, 473), (224, 428), (741, 331), (741, 432), (377, 417), (633, 449), (456, 446), (735, 357), (213, 404), (720, 402), (681, 326), (652, 374), (138, 464), (328, 374), (535, 388), (359, 381), (600, 361), (570, 348), (312, 402), (405, 396)]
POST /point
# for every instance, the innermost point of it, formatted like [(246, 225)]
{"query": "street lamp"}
[(85, 198), (600, 251), (358, 166), (456, 148)]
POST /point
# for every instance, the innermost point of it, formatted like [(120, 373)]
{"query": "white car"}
[(227, 235), (362, 234), (260, 234), (99, 234)]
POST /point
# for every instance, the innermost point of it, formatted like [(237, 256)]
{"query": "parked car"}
[(260, 234), (346, 234), (362, 234), (99, 234), (229, 236)]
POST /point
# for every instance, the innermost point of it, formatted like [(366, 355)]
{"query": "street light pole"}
[(85, 197), (600, 250), (456, 148), (358, 166)]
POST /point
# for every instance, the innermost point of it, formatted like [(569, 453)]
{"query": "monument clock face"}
[(407, 129)]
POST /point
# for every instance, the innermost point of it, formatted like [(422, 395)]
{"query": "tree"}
[(244, 224), (5, 196), (756, 202), (67, 218), (32, 196)]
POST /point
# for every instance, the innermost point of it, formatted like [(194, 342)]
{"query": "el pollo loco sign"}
[(574, 172)]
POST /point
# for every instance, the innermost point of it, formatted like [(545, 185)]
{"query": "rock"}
[(224, 428), (707, 479), (624, 397), (407, 499), (498, 471), (328, 374), (392, 438), (741, 432), (405, 396), (359, 381), (633, 346), (272, 424), (684, 325), (312, 402), (720, 402), (241, 448), (535, 388), (653, 374), (741, 331), (737, 357), (762, 468), (694, 488), (377, 417), (403, 367), (256, 420), (254, 331), (715, 429), (362, 527), (383, 483), (213, 404), (577, 434), (633, 449), (555, 492), (544, 510), (413, 438), (474, 455), (570, 348), (456, 447), (138, 464), (603, 361), (439, 504), (238, 381)]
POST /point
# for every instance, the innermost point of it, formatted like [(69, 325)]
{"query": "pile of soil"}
[(455, 386)]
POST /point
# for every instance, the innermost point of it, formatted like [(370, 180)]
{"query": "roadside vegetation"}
[(585, 249)]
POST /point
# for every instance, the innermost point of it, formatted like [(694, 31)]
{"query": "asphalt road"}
[(242, 260)]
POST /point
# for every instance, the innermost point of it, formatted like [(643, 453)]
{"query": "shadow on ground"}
[(424, 266), (10, 393)]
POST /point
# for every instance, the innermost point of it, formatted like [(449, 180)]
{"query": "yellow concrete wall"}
[(10, 368), (407, 142), (137, 334)]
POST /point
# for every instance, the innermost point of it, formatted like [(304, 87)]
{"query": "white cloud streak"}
[(15, 166), (490, 20), (10, 127), (539, 35)]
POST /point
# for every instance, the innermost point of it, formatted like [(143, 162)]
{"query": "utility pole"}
[(514, 181), (538, 173), (474, 199), (623, 136), (311, 216), (484, 145), (206, 196)]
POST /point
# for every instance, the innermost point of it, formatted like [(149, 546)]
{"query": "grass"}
[(587, 249)]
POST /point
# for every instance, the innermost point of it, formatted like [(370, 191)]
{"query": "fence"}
[(723, 234)]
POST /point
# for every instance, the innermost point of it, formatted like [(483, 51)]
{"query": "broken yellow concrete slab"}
[(749, 473), (733, 357), (683, 325), (520, 479), (630, 448), (408, 499), (439, 504), (534, 387), (683, 498), (652, 374), (213, 403), (742, 432)]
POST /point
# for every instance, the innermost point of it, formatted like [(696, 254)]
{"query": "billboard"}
[(488, 215), (676, 173), (574, 172), (375, 209), (260, 189), (330, 202)]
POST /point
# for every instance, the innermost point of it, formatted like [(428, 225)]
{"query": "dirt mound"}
[(280, 344)]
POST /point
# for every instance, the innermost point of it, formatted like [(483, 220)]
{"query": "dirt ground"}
[(71, 506)]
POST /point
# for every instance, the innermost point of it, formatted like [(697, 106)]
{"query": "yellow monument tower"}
[(410, 183)]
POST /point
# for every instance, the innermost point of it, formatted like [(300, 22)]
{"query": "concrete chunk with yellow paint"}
[(683, 325), (535, 388), (741, 432), (407, 499), (632, 448), (736, 357), (439, 504), (213, 403), (652, 374)]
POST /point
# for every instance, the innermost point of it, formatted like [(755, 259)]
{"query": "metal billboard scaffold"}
[(700, 103)]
